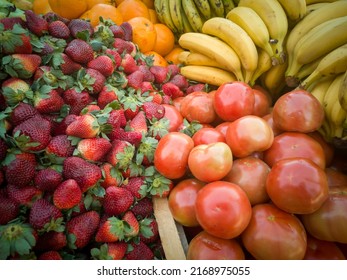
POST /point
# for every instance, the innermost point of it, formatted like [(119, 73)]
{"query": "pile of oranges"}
[(151, 36)]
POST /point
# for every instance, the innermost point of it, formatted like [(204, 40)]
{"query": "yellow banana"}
[(217, 8), (335, 62), (237, 39), (338, 117), (264, 64), (186, 24), (306, 70), (318, 41), (192, 14), (295, 9), (331, 96), (214, 48), (312, 7), (157, 7), (176, 14), (228, 6), (250, 21), (193, 58), (275, 19), (309, 2), (204, 8), (166, 16), (319, 89), (207, 74), (343, 92)]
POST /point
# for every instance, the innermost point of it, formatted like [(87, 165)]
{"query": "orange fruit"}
[(157, 58), (91, 3), (41, 7), (133, 8), (172, 56), (149, 3), (68, 9), (153, 16), (105, 11), (165, 39), (118, 2), (144, 34)]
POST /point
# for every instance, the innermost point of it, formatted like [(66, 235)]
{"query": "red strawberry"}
[(85, 173), (48, 179), (129, 64), (45, 216), (36, 23), (117, 200), (107, 95), (3, 149), (111, 176), (196, 87), (161, 74), (153, 227), (20, 171), (140, 251), (9, 210), (147, 87), (158, 98), (79, 51), (51, 240), (59, 146), (117, 118), (51, 16), (22, 112), (67, 195), (50, 255), (94, 149), (143, 208), (14, 90), (92, 80), (133, 137), (17, 38), (180, 81), (135, 79), (68, 66), (50, 102), (117, 30), (76, 100), (9, 22), (139, 123), (115, 56), (130, 218), (110, 251), (90, 108), (26, 195), (79, 25), (80, 229), (172, 90), (136, 185), (59, 29), (41, 71), (128, 31), (112, 230), (153, 110), (148, 75), (121, 154), (103, 64), (85, 126), (123, 46), (21, 66), (173, 69)]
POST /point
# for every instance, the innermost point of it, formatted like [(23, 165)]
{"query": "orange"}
[(41, 7), (68, 9), (105, 11), (133, 8), (118, 2), (149, 3), (91, 3), (172, 56), (157, 58), (153, 16), (165, 39), (144, 34)]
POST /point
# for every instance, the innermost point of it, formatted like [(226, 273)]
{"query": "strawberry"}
[(20, 171), (147, 87), (24, 195), (15, 38), (196, 87), (59, 29), (107, 95), (112, 230), (21, 66), (117, 30), (117, 200), (9, 210), (10, 22), (140, 251), (68, 66), (172, 90), (128, 31), (90, 108), (47, 179), (123, 47), (14, 90), (85, 126), (147, 74), (67, 195), (79, 25), (79, 51), (161, 74), (50, 102), (81, 229), (136, 185), (111, 176), (139, 123), (59, 146), (115, 56), (51, 16), (44, 216), (91, 80), (3, 149), (94, 149), (153, 110), (22, 112), (153, 228), (130, 218), (129, 64), (50, 255), (103, 64), (51, 240), (76, 100), (117, 118), (173, 69), (135, 79), (85, 173), (132, 137), (121, 154), (158, 98), (36, 23), (180, 81), (110, 251), (143, 208)]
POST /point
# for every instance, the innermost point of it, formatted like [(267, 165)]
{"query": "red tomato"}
[(210, 162), (205, 246), (270, 121), (250, 174), (329, 222), (249, 134), (223, 209), (273, 234), (198, 106), (177, 102), (262, 103), (174, 116), (299, 111), (182, 201), (223, 127), (171, 154), (328, 148), (335, 178), (234, 100), (294, 144), (297, 185), (322, 250), (208, 135)]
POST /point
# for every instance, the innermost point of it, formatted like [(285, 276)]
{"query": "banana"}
[(157, 8), (250, 21), (214, 48), (319, 89), (338, 117), (176, 11), (207, 74), (295, 9), (186, 24), (217, 8), (193, 58), (343, 92), (312, 7), (204, 8), (264, 64), (331, 96), (275, 19), (335, 62), (164, 9), (228, 6), (309, 2), (237, 39), (317, 42), (192, 14), (306, 70)]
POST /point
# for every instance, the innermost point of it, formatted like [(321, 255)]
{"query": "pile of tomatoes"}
[(257, 180)]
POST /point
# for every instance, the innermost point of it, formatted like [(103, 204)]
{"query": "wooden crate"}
[(171, 233)]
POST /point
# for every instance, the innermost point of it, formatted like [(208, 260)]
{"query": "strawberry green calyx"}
[(10, 39), (146, 149), (157, 184), (100, 253), (21, 65), (125, 158), (159, 128), (190, 128)]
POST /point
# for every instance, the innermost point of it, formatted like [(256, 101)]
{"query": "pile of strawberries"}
[(81, 115)]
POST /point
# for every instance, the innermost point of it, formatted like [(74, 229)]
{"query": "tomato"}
[(322, 250), (262, 103), (250, 174), (249, 134), (205, 246), (329, 222), (298, 110), (177, 102), (210, 162), (294, 144), (182, 201), (208, 135), (234, 100), (297, 185), (174, 116), (171, 154), (328, 148), (223, 209), (335, 178), (270, 121), (198, 106), (223, 127), (273, 234)]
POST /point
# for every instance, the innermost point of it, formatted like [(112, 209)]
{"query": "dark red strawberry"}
[(79, 51), (94, 149), (20, 172), (173, 69), (25, 196), (132, 137), (36, 23), (172, 90), (9, 210), (130, 218), (67, 195), (107, 95), (111, 176), (68, 66), (136, 185), (51, 240), (16, 39), (40, 71), (143, 208), (3, 149), (148, 75), (117, 200), (59, 29), (129, 64), (117, 30), (128, 31), (153, 110), (153, 228), (103, 64), (91, 80), (14, 90), (85, 126), (110, 251), (50, 102), (135, 79), (139, 123), (76, 100), (50, 255), (161, 74), (60, 127), (21, 66), (180, 81), (121, 154), (123, 47), (117, 118), (115, 56), (59, 146), (196, 87), (147, 87), (140, 251), (85, 173), (81, 229), (79, 25), (48, 179), (9, 22), (51, 16), (112, 230)]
